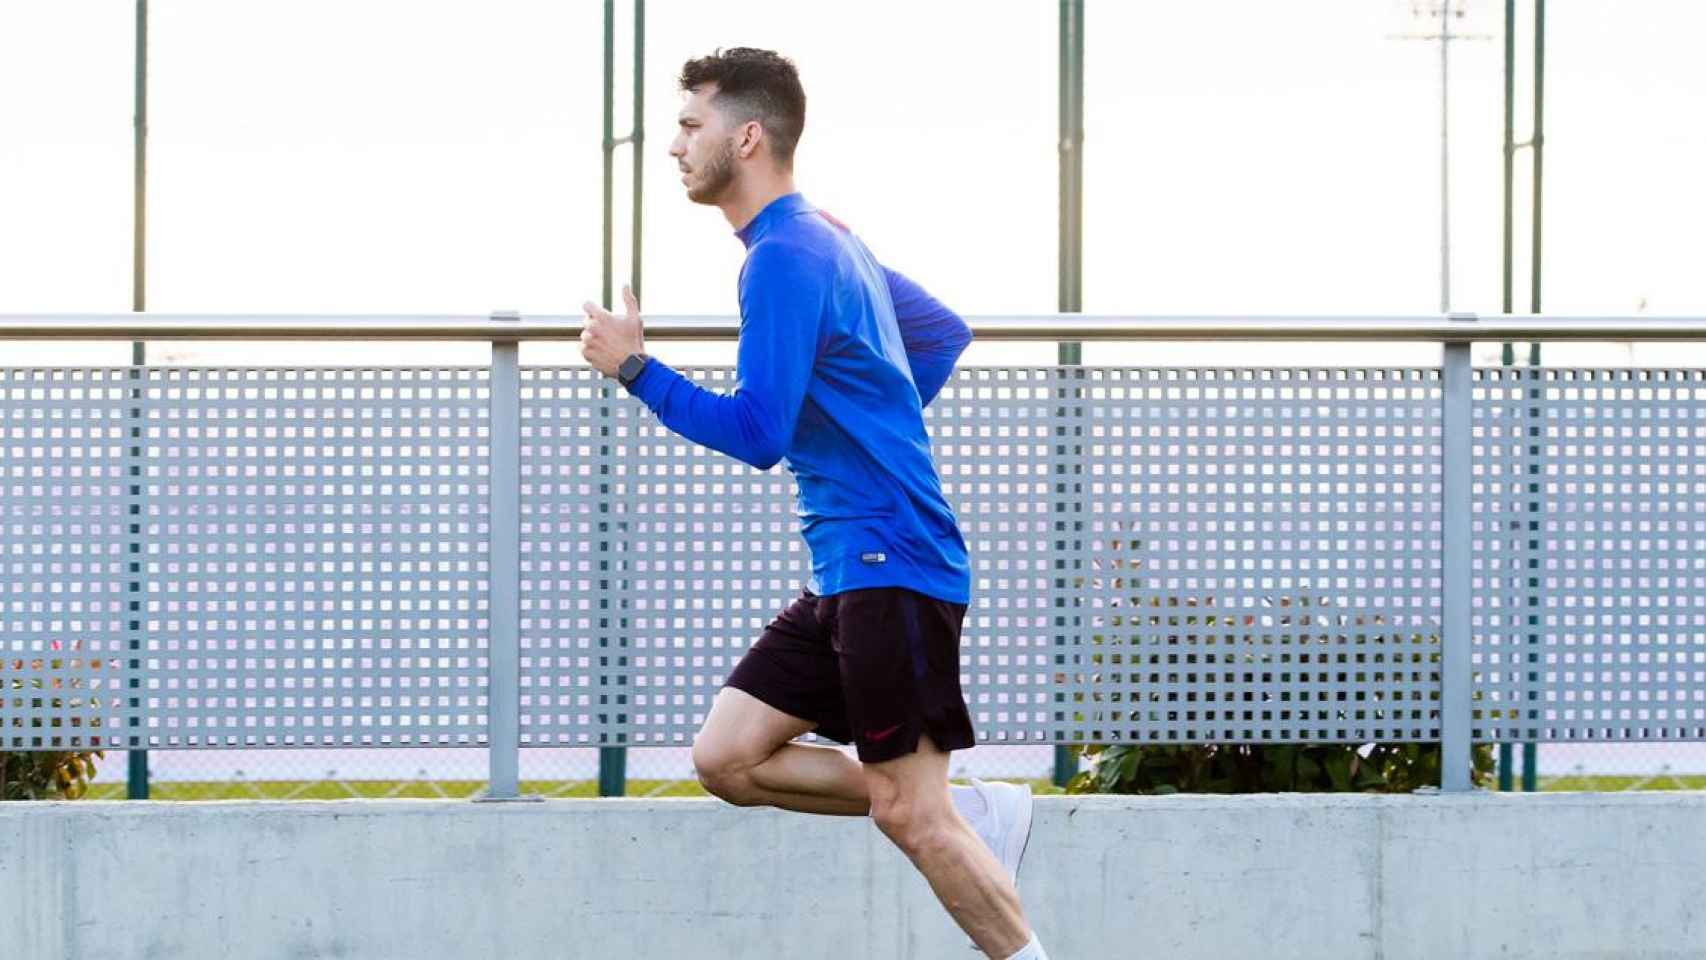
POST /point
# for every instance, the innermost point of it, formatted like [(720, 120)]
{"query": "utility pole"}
[(1444, 11), (1445, 162)]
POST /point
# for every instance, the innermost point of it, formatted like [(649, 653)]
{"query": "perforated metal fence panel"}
[(1261, 555), (571, 620), (268, 557), (65, 584), (1000, 436), (1590, 554), (309, 550), (680, 556), (703, 551), (316, 557)]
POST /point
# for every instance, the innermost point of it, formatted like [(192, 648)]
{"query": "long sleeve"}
[(934, 335), (784, 294)]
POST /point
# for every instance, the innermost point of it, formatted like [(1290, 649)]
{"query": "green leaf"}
[(1339, 770)]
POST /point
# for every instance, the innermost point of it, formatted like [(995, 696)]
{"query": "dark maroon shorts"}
[(875, 668)]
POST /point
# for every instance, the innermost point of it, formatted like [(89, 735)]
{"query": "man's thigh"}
[(793, 670), (898, 654), (742, 730)]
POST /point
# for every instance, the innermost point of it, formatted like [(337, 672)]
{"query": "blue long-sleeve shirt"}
[(838, 356)]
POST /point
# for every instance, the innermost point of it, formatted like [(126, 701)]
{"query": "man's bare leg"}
[(909, 802), (743, 755)]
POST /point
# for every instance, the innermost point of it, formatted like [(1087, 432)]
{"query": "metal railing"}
[(508, 556), (1456, 328)]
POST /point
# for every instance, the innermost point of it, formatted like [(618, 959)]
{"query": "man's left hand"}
[(608, 339)]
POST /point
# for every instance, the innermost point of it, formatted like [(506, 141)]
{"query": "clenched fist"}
[(607, 339)]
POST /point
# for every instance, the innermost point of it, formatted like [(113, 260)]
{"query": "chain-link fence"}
[(460, 773)]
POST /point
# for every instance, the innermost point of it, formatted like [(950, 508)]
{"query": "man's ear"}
[(751, 135)]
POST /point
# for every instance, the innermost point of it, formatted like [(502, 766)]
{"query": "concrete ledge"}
[(1557, 875)]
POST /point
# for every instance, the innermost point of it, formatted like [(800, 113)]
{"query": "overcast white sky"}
[(1241, 155)]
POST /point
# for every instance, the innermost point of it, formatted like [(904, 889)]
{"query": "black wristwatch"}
[(631, 368)]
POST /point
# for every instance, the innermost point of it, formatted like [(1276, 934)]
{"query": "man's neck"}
[(747, 199)]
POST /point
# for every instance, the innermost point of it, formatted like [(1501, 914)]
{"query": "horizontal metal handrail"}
[(1452, 328)]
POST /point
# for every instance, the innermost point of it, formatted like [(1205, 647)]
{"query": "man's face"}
[(704, 147)]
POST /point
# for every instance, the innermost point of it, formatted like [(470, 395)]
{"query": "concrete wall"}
[(1276, 876)]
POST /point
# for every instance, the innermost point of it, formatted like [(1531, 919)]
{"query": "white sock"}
[(1030, 951), (968, 802)]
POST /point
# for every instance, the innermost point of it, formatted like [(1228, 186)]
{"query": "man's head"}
[(744, 107)]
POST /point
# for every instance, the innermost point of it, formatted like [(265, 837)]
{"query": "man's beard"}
[(715, 175)]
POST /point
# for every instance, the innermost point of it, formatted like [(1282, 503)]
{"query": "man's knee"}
[(916, 828), (724, 772)]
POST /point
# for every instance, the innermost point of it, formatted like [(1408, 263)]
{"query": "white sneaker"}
[(1006, 825)]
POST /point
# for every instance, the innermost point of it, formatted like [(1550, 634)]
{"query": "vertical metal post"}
[(615, 589), (1537, 142), (1508, 356), (1455, 621), (1069, 661), (136, 586), (1071, 267), (1510, 150), (1530, 750), (613, 761), (503, 647), (1444, 159), (1533, 553), (612, 771), (609, 146), (638, 138), (139, 176), (1071, 276), (136, 787)]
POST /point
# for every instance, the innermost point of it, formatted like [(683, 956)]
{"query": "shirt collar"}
[(776, 210)]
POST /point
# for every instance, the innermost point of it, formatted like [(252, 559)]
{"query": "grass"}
[(1664, 781), (411, 789), (558, 789)]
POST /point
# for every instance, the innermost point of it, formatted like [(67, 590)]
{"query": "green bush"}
[(1267, 768), (1140, 630), (47, 775)]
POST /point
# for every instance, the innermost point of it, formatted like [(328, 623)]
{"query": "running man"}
[(838, 356)]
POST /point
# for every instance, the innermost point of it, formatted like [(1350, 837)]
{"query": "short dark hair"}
[(757, 85)]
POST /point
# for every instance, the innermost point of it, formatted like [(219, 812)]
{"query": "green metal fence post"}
[(136, 785), (638, 139), (613, 761), (1508, 356), (1530, 751), (1071, 265)]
